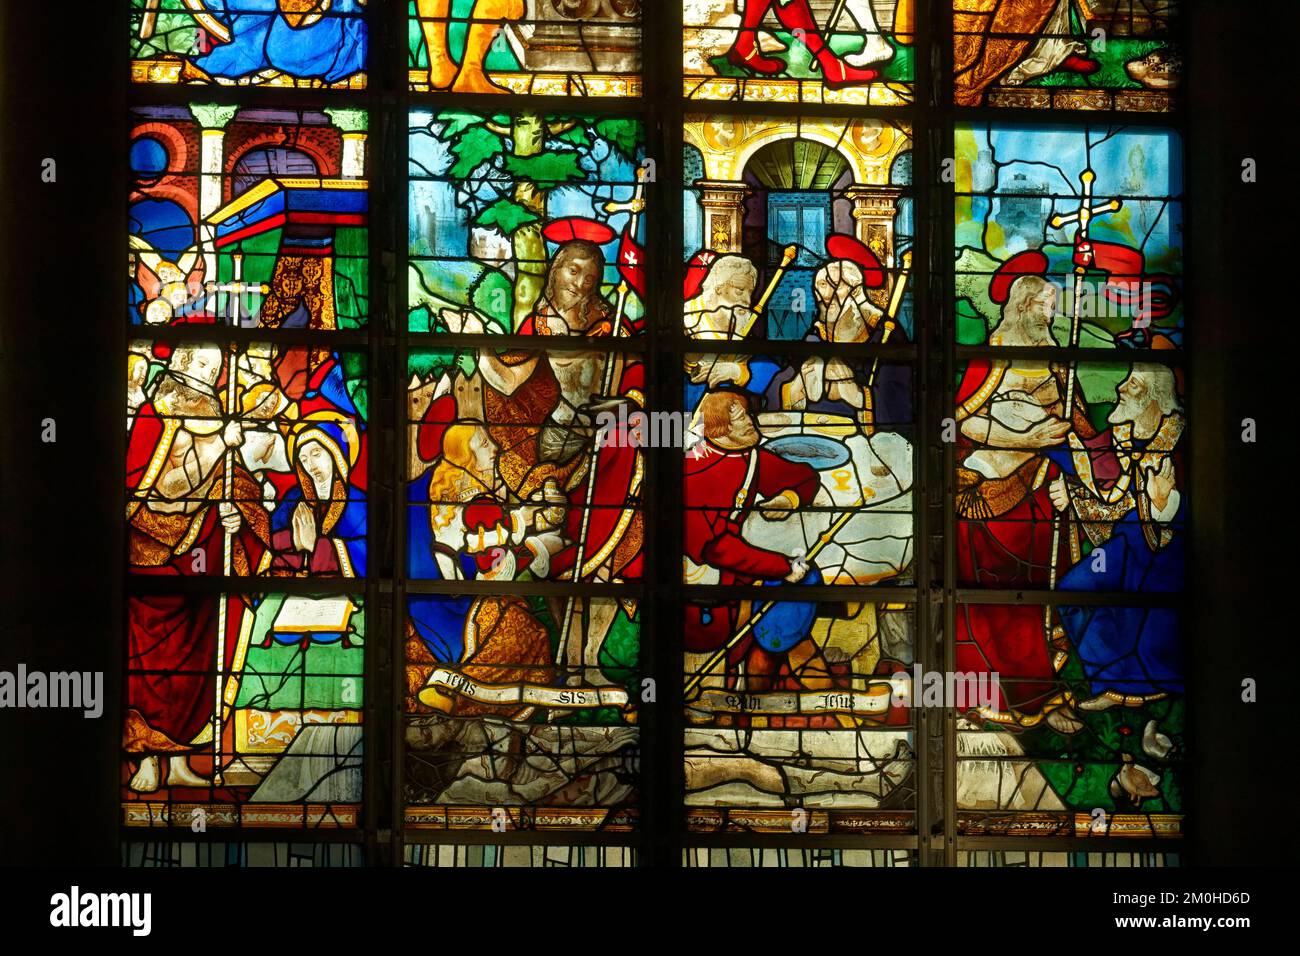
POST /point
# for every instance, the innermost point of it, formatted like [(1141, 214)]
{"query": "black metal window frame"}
[(661, 838)]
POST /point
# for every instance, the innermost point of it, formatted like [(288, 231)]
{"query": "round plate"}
[(816, 450)]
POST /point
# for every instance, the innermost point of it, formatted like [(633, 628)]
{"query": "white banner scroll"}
[(443, 681)]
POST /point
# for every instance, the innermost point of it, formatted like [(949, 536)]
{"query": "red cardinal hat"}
[(854, 250), (1028, 263), (697, 270), (439, 417), (576, 227)]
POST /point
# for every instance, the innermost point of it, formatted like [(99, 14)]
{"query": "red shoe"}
[(753, 60), (1079, 64), (839, 74)]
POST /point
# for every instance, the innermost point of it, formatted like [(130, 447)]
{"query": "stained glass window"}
[(247, 457), (527, 224), (486, 547)]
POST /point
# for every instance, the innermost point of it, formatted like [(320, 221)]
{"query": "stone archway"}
[(729, 144)]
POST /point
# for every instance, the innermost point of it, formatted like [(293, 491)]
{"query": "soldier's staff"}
[(607, 382), (1083, 258), (891, 314), (634, 208), (822, 541), (787, 256)]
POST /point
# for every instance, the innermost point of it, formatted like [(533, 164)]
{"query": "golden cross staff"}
[(1082, 260), (634, 210), (822, 541)]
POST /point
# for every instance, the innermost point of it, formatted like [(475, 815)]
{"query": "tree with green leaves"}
[(538, 153)]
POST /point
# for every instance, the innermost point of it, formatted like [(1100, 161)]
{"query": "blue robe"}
[(350, 528), (439, 620), (332, 49), (1130, 650)]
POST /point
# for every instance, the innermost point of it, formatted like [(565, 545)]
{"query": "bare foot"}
[(474, 80), (1064, 721), (179, 773), (145, 780)]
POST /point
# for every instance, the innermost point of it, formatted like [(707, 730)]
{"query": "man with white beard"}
[(1133, 518), (721, 306)]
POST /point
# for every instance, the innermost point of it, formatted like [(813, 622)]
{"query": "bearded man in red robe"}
[(1009, 415), (177, 522)]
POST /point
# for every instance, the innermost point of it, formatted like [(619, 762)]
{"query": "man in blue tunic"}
[(1135, 523)]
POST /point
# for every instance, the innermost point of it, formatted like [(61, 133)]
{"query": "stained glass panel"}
[(283, 43), (541, 47), (797, 716), (515, 722), (783, 858), (1094, 215), (519, 857), (1066, 54), (167, 854), (521, 466), (249, 217), (259, 472), (529, 224), (243, 710), (1093, 502), (796, 702), (775, 474), (797, 229), (1083, 734), (800, 51)]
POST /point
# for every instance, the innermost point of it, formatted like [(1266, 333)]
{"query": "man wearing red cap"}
[(719, 294), (846, 314), (727, 477), (571, 302), (1009, 415)]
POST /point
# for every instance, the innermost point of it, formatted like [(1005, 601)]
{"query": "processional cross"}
[(1083, 260), (233, 311)]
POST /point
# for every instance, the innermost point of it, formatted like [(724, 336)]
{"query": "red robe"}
[(615, 528), (1004, 540), (172, 639), (712, 483)]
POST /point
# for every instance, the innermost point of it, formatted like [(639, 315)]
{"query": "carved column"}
[(874, 208), (353, 125), (724, 214), (212, 120)]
